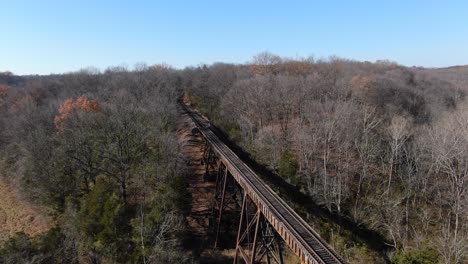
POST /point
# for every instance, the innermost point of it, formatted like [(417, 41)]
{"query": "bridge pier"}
[(256, 238), (209, 160), (220, 194), (226, 198)]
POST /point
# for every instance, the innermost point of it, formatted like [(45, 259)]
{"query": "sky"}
[(47, 36)]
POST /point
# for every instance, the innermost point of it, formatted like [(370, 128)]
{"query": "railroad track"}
[(296, 233)]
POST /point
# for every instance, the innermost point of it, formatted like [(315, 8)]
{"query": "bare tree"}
[(399, 133), (449, 147), (366, 147)]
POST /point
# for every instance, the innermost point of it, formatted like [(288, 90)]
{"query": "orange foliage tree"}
[(70, 106)]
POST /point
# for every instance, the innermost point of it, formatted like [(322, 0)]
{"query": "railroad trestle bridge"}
[(265, 219)]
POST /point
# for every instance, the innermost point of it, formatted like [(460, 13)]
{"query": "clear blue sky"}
[(60, 36)]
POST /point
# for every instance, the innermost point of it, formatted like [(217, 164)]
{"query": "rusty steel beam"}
[(221, 207), (255, 239)]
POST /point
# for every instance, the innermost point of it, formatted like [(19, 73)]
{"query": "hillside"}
[(457, 75)]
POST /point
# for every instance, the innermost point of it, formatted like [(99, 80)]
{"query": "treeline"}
[(100, 150), (383, 145)]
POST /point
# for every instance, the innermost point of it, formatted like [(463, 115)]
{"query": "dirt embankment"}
[(19, 215)]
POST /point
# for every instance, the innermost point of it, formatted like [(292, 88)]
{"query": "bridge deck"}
[(297, 234)]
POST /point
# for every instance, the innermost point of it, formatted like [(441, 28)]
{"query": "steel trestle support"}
[(226, 198), (256, 238)]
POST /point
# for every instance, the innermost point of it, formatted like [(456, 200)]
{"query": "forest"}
[(99, 150), (380, 146)]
